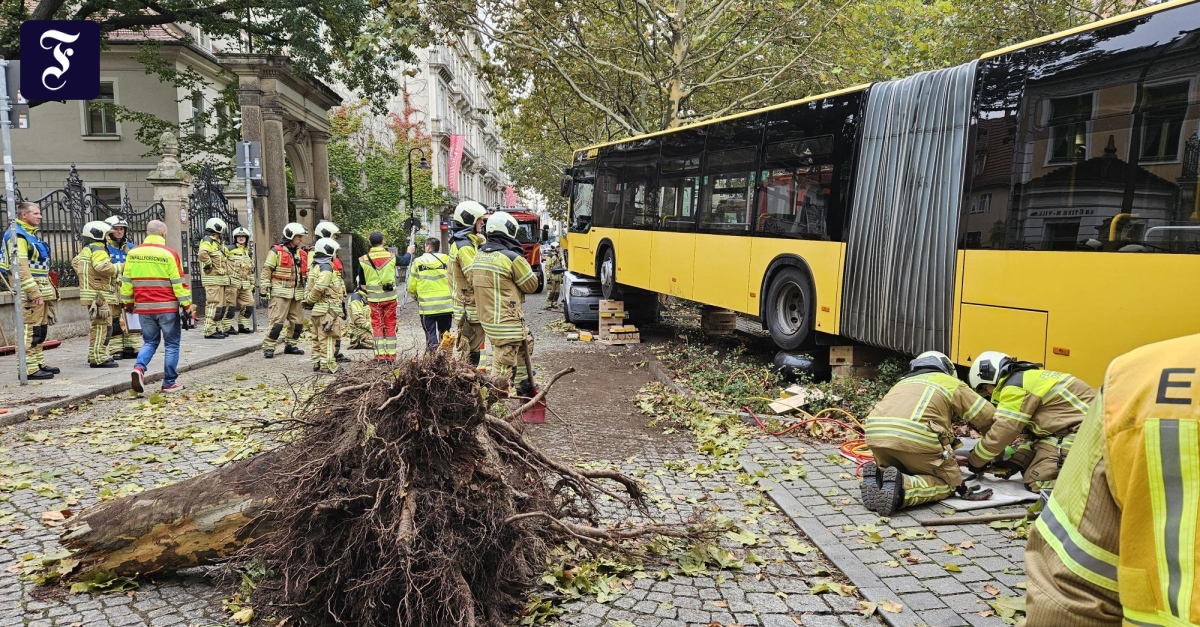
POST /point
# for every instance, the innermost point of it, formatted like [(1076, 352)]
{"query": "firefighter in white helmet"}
[(214, 276), (121, 343), (282, 281), (241, 279), (464, 243), (96, 272), (324, 293), (501, 278)]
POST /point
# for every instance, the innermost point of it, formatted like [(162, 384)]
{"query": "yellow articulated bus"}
[(1041, 200)]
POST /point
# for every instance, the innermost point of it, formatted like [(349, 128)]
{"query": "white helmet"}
[(241, 230), (292, 229), (325, 228), (933, 359), (215, 225), (554, 245), (468, 212), (501, 222), (116, 221), (96, 230), (326, 246), (989, 367)]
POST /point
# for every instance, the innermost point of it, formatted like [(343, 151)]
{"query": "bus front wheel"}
[(789, 311), (608, 274)]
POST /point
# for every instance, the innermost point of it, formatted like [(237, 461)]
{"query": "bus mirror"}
[(567, 183)]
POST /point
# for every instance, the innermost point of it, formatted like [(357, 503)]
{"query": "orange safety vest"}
[(284, 271)]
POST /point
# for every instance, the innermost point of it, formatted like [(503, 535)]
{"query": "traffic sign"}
[(249, 160)]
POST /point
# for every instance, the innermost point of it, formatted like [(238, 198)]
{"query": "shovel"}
[(537, 413)]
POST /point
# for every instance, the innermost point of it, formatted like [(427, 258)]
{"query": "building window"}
[(1069, 127), (982, 203), (1164, 108), (197, 114), (100, 120), (110, 196)]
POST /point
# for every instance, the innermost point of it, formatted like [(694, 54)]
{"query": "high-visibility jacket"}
[(325, 290), (214, 264), (1117, 542), (33, 262), (283, 272), (96, 271), (1048, 405), (501, 277), (153, 279), (379, 272), (463, 247), (241, 266), (428, 283), (917, 414), (358, 314)]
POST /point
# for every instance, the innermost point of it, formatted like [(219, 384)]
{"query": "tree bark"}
[(196, 522)]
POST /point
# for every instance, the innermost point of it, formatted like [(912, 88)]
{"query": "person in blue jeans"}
[(153, 287)]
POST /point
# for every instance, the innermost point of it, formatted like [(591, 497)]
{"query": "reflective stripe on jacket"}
[(1117, 542), (463, 248), (501, 279), (324, 290), (428, 283), (241, 267), (33, 262), (918, 413), (283, 272), (214, 265), (96, 271), (1047, 404), (379, 269), (153, 280)]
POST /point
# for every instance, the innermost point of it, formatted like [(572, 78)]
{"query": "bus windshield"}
[(581, 199)]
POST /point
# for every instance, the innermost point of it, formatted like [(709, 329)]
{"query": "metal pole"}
[(250, 221), (10, 198)]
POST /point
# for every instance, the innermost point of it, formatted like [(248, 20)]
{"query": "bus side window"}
[(729, 190), (795, 194), (679, 180)]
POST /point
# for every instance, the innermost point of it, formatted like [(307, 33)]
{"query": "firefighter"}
[(1116, 541), (33, 279), (214, 276), (553, 279), (327, 229), (95, 270), (1044, 406), (358, 320), (427, 283), (324, 294), (378, 277), (464, 243), (282, 281), (121, 343), (501, 278), (241, 282), (910, 435)]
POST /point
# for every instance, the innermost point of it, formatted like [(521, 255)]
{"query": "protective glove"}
[(387, 287), (94, 310), (1005, 469), (264, 294), (307, 306), (327, 323)]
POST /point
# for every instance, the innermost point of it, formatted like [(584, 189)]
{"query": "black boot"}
[(243, 330), (269, 353), (129, 353), (40, 375), (50, 369), (106, 364), (891, 494), (292, 350)]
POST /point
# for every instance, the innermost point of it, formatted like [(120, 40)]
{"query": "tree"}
[(368, 170), (357, 43)]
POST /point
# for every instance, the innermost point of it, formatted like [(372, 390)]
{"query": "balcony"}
[(440, 59), (439, 127)]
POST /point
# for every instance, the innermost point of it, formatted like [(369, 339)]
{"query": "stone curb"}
[(22, 415), (868, 584)]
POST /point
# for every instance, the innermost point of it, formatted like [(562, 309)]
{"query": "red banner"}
[(456, 153), (510, 197)]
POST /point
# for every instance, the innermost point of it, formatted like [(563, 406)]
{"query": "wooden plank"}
[(861, 372), (612, 305), (855, 355)]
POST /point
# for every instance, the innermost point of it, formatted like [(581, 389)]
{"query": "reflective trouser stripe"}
[(98, 343), (918, 490), (1077, 553), (1149, 619), (1174, 473)]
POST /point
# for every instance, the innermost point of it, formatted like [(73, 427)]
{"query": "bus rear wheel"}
[(789, 311), (608, 274)]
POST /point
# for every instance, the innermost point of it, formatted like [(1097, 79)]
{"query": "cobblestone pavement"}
[(944, 575)]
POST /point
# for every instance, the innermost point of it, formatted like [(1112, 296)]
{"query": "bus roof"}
[(1116, 19)]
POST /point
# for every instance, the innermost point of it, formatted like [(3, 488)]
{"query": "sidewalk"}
[(78, 382)]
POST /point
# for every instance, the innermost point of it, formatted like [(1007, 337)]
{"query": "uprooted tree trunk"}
[(401, 503)]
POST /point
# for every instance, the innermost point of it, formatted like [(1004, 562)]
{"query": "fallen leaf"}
[(243, 616), (967, 544), (892, 607), (952, 568), (990, 589), (867, 608)]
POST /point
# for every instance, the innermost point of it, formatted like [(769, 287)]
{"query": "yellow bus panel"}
[(1018, 332), (672, 265), (824, 259), (1103, 304), (721, 270), (634, 255)]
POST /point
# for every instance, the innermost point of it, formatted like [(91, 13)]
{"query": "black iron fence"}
[(66, 210), (206, 200)]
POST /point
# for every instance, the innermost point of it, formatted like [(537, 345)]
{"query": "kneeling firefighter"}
[(911, 436)]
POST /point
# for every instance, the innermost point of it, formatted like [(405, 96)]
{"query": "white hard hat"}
[(501, 222), (292, 229), (241, 230), (326, 246), (933, 359), (116, 221), (96, 229), (468, 212), (215, 225), (325, 228), (988, 368)]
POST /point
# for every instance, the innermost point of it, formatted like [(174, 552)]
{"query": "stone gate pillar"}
[(320, 170), (171, 183), (274, 174)]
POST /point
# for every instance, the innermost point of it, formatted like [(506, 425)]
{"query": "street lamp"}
[(422, 165)]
